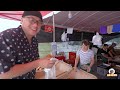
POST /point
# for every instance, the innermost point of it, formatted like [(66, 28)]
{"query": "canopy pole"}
[(54, 44), (53, 28)]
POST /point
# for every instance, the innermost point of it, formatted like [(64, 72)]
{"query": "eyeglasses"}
[(33, 21)]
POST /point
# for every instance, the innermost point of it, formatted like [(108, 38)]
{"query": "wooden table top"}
[(65, 71)]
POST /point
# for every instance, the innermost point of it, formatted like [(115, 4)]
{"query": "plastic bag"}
[(54, 48), (64, 37), (50, 73)]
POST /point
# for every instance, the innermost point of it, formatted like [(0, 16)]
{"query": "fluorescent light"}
[(69, 14)]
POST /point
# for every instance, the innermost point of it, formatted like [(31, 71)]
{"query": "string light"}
[(69, 14)]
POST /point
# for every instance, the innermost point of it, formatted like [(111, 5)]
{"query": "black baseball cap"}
[(33, 13)]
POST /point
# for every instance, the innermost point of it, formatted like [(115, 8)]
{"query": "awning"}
[(16, 15)]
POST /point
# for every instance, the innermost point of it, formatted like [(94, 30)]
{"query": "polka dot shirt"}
[(15, 49)]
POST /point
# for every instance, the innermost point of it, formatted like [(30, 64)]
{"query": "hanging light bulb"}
[(69, 14)]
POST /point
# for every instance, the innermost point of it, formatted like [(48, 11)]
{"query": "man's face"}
[(31, 25), (106, 47), (85, 46)]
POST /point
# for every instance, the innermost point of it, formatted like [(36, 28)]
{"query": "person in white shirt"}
[(97, 39), (64, 37), (84, 57)]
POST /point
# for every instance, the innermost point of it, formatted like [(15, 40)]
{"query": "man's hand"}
[(46, 62), (75, 69), (88, 68)]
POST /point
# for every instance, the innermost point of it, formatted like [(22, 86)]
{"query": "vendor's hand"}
[(46, 62), (88, 69), (75, 69)]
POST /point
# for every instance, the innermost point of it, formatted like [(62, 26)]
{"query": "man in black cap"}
[(19, 49)]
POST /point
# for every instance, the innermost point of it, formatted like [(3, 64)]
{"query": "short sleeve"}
[(7, 58), (93, 39), (78, 53), (92, 54)]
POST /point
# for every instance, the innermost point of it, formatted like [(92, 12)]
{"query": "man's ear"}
[(21, 21)]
